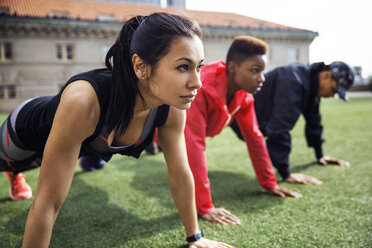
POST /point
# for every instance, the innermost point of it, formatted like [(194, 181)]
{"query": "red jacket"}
[(207, 116)]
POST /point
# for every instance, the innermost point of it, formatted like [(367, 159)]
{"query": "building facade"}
[(39, 54), (175, 3)]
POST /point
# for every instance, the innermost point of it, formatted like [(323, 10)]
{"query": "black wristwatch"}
[(195, 237)]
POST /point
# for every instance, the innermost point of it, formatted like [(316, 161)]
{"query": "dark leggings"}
[(14, 156)]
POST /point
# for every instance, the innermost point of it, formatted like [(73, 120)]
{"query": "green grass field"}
[(128, 204)]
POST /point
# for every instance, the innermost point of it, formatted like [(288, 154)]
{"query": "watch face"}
[(195, 237)]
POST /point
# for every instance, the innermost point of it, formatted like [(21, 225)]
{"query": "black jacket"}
[(288, 92)]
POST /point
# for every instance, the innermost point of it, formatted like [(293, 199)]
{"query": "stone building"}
[(176, 3), (44, 42)]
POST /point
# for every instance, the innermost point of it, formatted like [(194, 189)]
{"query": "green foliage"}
[(128, 203)]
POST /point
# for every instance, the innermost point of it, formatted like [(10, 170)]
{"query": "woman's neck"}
[(148, 99)]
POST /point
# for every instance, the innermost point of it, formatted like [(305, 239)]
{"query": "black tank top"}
[(34, 120)]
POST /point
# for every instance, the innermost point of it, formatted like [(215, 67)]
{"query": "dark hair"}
[(149, 37), (243, 47)]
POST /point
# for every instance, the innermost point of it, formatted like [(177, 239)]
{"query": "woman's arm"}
[(75, 120), (172, 141)]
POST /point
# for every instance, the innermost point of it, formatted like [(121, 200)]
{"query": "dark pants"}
[(14, 156)]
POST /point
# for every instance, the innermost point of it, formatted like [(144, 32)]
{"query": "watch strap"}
[(195, 237)]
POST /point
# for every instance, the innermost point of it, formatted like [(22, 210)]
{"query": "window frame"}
[(8, 91), (6, 47), (65, 53)]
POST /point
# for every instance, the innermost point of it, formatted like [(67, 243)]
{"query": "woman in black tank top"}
[(152, 77)]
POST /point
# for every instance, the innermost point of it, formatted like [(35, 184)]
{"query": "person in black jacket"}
[(288, 92)]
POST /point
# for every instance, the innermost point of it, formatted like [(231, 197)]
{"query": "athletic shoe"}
[(91, 163), (19, 188)]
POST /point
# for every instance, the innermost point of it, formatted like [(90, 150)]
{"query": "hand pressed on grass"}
[(302, 179), (327, 160), (206, 243), (283, 192), (221, 216)]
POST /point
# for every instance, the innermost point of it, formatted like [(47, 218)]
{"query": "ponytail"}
[(124, 81)]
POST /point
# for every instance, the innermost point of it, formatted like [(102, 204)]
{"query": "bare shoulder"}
[(80, 91), (79, 104), (81, 95)]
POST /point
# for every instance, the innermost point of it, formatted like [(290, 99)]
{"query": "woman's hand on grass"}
[(283, 192), (327, 160), (221, 216), (303, 179), (206, 243)]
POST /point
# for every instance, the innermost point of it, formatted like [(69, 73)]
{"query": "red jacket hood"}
[(214, 79)]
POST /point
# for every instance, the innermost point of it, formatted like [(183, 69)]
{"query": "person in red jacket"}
[(224, 96)]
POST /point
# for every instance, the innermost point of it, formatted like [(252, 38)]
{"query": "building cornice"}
[(11, 26), (15, 26), (266, 34)]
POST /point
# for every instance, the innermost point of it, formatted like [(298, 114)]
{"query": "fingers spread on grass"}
[(315, 181), (276, 192), (221, 216), (303, 179), (291, 193), (283, 192), (206, 243), (325, 160)]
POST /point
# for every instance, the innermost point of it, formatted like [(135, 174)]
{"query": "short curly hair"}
[(243, 47)]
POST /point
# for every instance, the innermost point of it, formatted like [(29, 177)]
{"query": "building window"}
[(292, 55), (7, 91), (105, 18), (5, 51), (65, 53), (4, 11), (11, 91), (231, 24), (59, 15)]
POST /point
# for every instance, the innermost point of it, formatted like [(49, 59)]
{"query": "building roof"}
[(86, 10)]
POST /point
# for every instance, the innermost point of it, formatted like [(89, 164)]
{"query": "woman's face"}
[(248, 75), (176, 77)]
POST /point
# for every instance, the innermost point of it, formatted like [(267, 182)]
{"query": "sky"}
[(344, 26)]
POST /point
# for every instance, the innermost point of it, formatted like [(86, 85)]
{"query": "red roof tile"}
[(119, 11)]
